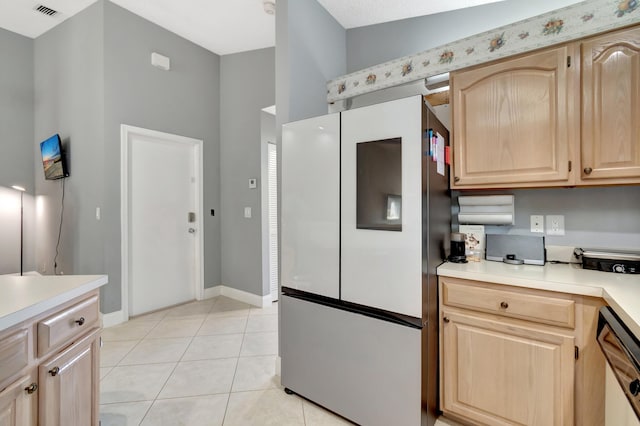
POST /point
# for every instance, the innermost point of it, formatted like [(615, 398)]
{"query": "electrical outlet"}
[(247, 212), (537, 223), (555, 225)]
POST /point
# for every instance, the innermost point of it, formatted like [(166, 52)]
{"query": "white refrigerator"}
[(365, 216)]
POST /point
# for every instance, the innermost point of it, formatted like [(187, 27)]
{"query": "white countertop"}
[(620, 291), (24, 297)]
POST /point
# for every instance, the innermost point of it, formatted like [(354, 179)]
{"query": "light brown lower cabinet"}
[(504, 360), (67, 384), (49, 367), (18, 402)]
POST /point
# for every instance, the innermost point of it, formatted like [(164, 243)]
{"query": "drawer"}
[(509, 303), (66, 324), (14, 355)]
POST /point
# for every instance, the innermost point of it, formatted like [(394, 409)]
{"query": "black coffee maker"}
[(458, 248)]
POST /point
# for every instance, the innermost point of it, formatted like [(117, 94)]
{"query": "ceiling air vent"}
[(45, 10)]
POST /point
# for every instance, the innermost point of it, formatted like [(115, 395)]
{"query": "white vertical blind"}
[(272, 181)]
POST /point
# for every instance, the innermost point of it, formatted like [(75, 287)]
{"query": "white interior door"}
[(272, 166), (163, 238)]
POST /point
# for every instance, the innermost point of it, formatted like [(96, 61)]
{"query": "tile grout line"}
[(244, 333), (172, 371)]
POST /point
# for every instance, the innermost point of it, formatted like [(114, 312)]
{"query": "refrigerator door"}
[(310, 216), (381, 201)]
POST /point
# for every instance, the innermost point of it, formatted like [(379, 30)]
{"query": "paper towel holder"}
[(486, 209)]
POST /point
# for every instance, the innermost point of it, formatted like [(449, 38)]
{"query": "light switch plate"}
[(247, 212), (253, 183), (537, 223)]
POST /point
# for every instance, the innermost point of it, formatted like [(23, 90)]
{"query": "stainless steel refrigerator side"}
[(436, 226)]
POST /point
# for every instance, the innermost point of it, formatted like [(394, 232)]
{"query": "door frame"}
[(125, 132)]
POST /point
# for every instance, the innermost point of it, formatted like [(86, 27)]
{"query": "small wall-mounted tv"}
[(53, 158)]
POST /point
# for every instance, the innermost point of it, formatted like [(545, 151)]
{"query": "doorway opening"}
[(269, 191)]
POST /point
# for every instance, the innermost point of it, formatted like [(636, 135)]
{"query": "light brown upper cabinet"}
[(610, 150), (562, 116), (513, 120)]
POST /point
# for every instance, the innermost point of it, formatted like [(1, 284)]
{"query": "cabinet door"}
[(512, 122), (497, 372), (69, 385), (18, 403), (610, 108)]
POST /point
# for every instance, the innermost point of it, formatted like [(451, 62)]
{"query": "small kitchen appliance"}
[(621, 262), (458, 248), (516, 249)]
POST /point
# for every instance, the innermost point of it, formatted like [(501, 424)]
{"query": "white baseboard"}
[(278, 365), (113, 318), (212, 292), (239, 295)]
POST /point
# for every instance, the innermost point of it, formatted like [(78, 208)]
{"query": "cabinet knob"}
[(634, 387), (31, 388), (504, 305), (54, 371), (80, 321), (456, 179), (587, 170), (446, 319)]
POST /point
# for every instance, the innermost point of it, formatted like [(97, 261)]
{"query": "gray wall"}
[(375, 44), (16, 111), (17, 166), (247, 84), (10, 232), (183, 101), (69, 95), (311, 49), (93, 73), (602, 217)]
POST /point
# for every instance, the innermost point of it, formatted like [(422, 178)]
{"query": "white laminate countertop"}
[(24, 297), (620, 291)]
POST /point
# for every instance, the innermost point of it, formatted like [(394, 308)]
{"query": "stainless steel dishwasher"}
[(622, 351)]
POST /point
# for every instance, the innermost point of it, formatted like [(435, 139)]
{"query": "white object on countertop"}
[(486, 209), (28, 296)]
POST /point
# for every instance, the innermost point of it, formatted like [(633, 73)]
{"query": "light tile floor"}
[(204, 363)]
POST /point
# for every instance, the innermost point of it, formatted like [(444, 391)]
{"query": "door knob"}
[(504, 305), (446, 319), (192, 230), (587, 170), (634, 387), (54, 371)]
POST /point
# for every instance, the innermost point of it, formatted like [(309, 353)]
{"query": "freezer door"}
[(310, 216), (381, 213), (362, 368)]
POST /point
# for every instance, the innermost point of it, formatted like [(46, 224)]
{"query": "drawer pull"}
[(31, 388), (446, 319), (634, 387), (504, 305), (587, 170), (54, 371), (80, 321), (456, 179)]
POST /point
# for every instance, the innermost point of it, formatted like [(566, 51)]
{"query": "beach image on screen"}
[(51, 158)]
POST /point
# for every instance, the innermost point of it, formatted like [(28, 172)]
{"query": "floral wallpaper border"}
[(570, 23)]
